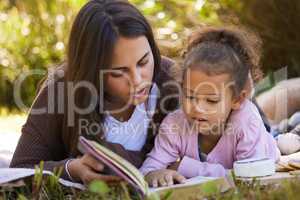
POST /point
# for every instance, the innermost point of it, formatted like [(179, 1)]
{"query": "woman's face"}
[(129, 78)]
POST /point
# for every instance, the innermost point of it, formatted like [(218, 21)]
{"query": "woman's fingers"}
[(109, 178), (90, 176), (92, 163)]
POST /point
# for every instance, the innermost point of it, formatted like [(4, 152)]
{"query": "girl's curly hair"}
[(225, 50)]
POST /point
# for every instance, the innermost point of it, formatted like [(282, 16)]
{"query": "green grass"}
[(48, 187)]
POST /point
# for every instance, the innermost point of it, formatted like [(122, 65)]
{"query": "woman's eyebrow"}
[(144, 56), (119, 68), (124, 67)]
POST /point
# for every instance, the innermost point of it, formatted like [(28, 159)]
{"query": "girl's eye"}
[(212, 101)]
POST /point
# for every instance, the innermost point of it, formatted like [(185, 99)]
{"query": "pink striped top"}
[(246, 138)]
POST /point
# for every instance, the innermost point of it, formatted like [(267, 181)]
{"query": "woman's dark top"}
[(41, 137)]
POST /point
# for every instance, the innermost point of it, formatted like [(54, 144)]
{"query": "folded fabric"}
[(288, 143)]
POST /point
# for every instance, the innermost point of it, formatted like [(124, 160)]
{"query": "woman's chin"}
[(139, 100)]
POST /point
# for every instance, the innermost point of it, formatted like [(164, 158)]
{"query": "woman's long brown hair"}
[(93, 36)]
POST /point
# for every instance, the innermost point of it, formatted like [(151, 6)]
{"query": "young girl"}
[(217, 123), (102, 92)]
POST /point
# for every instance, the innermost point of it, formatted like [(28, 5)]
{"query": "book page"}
[(123, 165), (188, 182), (13, 174)]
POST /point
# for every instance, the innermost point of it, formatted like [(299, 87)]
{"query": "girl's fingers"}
[(169, 179), (162, 181), (154, 182), (179, 178), (92, 163)]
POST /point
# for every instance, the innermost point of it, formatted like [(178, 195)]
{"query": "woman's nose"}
[(136, 77)]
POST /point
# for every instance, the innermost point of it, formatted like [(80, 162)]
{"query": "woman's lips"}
[(140, 93)]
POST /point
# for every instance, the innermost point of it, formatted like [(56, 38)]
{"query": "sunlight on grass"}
[(10, 129)]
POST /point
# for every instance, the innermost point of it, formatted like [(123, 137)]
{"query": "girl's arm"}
[(190, 167), (165, 150), (253, 141)]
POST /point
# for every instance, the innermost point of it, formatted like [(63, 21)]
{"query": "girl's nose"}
[(199, 107)]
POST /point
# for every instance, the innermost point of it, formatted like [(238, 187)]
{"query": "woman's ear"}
[(237, 101)]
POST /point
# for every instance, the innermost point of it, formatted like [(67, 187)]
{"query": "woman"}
[(113, 67)]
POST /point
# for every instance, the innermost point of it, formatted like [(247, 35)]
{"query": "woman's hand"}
[(87, 169), (163, 177)]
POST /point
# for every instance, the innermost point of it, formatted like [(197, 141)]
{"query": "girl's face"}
[(129, 79), (207, 100)]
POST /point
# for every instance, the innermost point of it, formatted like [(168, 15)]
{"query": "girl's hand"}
[(174, 165), (163, 177), (86, 169)]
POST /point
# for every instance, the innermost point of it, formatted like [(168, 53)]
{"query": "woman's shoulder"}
[(166, 70), (166, 63), (44, 114)]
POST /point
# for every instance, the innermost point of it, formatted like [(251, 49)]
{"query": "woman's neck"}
[(121, 113)]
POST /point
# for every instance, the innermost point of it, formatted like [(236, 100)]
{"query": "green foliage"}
[(99, 187), (48, 187), (34, 34), (243, 191), (210, 188), (277, 22)]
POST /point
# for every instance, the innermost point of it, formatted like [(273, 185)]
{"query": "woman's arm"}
[(41, 137)]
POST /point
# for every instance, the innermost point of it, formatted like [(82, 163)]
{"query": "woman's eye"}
[(143, 63), (116, 74)]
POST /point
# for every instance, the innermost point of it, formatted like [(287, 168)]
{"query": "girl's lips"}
[(200, 119)]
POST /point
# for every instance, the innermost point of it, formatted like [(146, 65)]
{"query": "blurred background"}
[(34, 35)]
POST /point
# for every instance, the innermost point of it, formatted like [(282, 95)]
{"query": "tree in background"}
[(278, 24), (34, 34)]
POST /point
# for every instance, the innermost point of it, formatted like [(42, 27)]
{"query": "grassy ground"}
[(10, 129), (49, 188)]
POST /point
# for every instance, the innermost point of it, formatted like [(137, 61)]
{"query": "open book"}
[(133, 176)]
